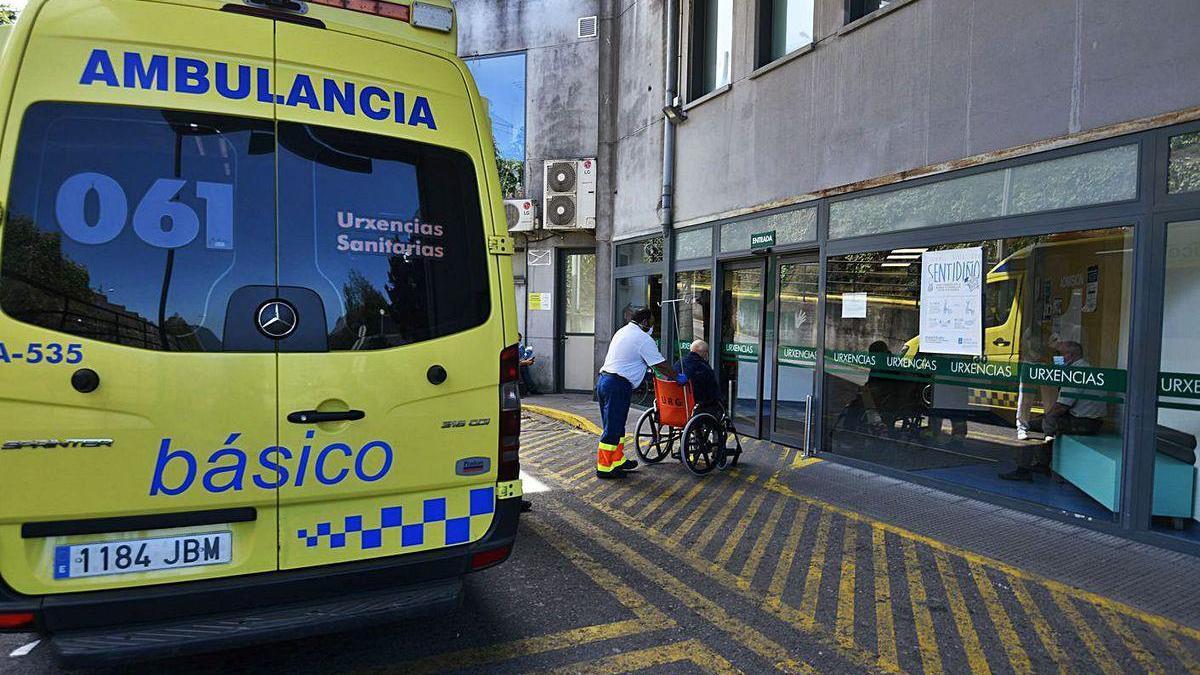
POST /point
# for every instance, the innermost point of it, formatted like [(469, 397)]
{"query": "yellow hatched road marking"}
[(843, 631), (1044, 633), (976, 659), (648, 618), (783, 565), (1017, 658), (816, 568), (734, 583), (658, 500), (775, 485), (1010, 571), (931, 657), (1132, 643), (714, 526), (741, 632), (885, 630), (700, 508), (750, 569), (739, 528), (693, 651), (651, 617), (1086, 635), (674, 508)]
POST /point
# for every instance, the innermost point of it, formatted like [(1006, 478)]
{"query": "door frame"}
[(806, 257), (560, 318)]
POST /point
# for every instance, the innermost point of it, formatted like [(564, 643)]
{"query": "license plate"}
[(142, 555)]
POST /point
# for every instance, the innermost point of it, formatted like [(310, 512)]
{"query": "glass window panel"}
[(712, 45), (388, 232), (99, 270), (691, 244), (632, 294), (790, 227), (501, 80), (1079, 180), (644, 252), (1098, 177), (1176, 504), (1184, 169), (580, 300), (694, 292), (796, 354), (741, 332), (788, 27), (1056, 328)]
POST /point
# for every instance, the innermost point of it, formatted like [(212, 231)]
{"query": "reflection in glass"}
[(388, 232), (644, 252), (787, 26), (741, 333), (1096, 177), (790, 227), (580, 290), (1184, 169), (691, 244), (712, 45), (631, 294), (694, 292), (1176, 504), (1055, 336), (135, 226), (796, 353), (501, 80)]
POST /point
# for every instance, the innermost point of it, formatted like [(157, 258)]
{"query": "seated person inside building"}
[(704, 381), (884, 398), (1073, 412)]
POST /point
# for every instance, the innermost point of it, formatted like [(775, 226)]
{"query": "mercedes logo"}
[(277, 319)]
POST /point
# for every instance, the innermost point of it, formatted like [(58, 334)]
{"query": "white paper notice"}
[(854, 305), (952, 302)]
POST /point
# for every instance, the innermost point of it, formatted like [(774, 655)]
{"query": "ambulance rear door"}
[(390, 420), (136, 397)]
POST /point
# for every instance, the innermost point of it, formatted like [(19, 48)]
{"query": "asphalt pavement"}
[(738, 571)]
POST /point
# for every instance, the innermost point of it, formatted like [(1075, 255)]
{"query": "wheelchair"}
[(702, 435)]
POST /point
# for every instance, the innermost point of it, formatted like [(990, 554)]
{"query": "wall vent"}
[(587, 26)]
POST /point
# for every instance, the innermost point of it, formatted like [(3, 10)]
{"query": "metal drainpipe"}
[(667, 211)]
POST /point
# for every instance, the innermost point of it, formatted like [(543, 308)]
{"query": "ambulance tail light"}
[(509, 464), (16, 621), (490, 557)]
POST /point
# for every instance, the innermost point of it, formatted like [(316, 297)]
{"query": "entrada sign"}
[(762, 240)]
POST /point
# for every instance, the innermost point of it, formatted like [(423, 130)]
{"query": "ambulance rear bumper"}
[(107, 627)]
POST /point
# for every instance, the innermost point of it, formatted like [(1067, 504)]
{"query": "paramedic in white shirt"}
[(630, 353)]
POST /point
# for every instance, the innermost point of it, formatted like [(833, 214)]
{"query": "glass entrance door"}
[(796, 354), (742, 312)]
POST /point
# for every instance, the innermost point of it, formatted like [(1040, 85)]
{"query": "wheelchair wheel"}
[(703, 446), (652, 446)]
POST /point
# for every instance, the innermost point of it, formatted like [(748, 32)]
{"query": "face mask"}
[(1060, 360)]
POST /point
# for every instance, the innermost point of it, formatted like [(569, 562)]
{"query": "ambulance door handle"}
[(317, 416), (1001, 342)]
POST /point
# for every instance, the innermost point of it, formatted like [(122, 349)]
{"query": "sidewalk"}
[(1152, 579)]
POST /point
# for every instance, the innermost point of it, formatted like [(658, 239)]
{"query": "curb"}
[(577, 421)]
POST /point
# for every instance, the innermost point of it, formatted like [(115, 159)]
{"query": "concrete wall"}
[(931, 81), (563, 114)]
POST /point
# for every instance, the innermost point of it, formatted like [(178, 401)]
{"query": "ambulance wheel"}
[(703, 444), (651, 446)]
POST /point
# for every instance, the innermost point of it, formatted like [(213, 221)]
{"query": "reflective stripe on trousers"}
[(609, 456)]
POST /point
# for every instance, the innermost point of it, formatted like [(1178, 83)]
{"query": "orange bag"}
[(675, 402)]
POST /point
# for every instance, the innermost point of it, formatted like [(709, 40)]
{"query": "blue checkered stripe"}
[(457, 530)]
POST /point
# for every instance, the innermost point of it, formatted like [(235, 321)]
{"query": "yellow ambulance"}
[(258, 371)]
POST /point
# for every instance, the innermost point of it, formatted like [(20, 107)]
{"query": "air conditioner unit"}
[(570, 194), (519, 215)]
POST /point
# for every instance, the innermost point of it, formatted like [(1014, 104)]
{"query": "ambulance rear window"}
[(134, 225), (388, 232), (141, 227)]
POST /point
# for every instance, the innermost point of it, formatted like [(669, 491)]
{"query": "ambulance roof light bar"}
[(420, 15)]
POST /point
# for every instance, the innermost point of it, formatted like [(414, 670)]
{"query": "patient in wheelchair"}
[(704, 381)]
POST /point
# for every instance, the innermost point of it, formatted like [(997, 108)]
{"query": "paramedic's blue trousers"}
[(614, 393)]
